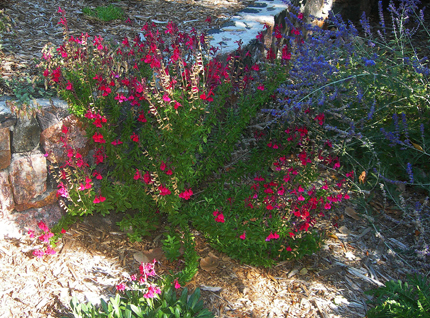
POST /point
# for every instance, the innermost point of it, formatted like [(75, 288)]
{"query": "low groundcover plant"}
[(146, 298)]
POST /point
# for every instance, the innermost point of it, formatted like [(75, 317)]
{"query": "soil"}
[(368, 243)]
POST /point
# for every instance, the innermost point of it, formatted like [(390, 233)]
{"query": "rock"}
[(7, 120), (5, 153), (50, 116), (28, 175), (348, 9), (26, 134), (40, 201), (6, 195), (50, 139)]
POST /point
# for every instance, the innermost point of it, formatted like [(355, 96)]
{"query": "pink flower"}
[(289, 249), (186, 195), (327, 206), (301, 198), (152, 290), (45, 237), (147, 178), (166, 98), (120, 287), (169, 172), (272, 236), (269, 207), (43, 226), (260, 87), (162, 166), (147, 269), (164, 190), (219, 217), (177, 104), (177, 285), (346, 196), (63, 231), (99, 199), (243, 236), (116, 142), (49, 251), (98, 138), (38, 253), (300, 16), (30, 233), (69, 86), (137, 176)]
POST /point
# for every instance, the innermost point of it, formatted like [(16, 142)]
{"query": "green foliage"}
[(28, 88), (171, 246), (105, 13), (131, 305), (402, 299)]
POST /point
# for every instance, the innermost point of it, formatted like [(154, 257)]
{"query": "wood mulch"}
[(362, 251)]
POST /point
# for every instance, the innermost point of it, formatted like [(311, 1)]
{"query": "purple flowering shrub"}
[(368, 94)]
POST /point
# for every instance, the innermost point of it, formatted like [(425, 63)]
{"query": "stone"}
[(5, 153), (7, 120), (50, 139), (6, 195), (26, 134), (348, 9), (47, 198), (50, 116), (27, 173)]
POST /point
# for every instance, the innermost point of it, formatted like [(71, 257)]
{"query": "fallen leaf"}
[(155, 253), (139, 257), (303, 271), (209, 288), (351, 212), (293, 272), (344, 230), (209, 263), (333, 236)]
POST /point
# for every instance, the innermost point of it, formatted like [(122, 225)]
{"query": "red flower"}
[(99, 199), (164, 190), (219, 217), (120, 287), (162, 166), (243, 236), (116, 142), (177, 104), (147, 178), (137, 176), (177, 285), (186, 195), (142, 118), (98, 138), (134, 137), (63, 231)]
